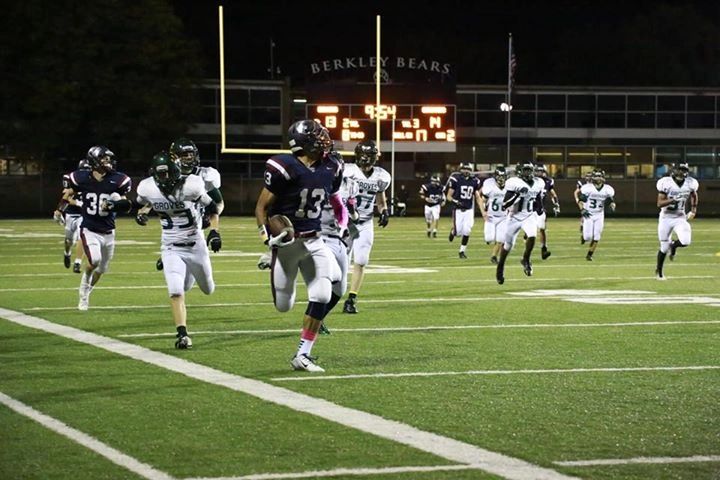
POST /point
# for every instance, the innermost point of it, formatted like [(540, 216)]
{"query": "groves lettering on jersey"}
[(464, 189), (94, 192), (301, 192), (368, 187), (681, 193), (595, 198)]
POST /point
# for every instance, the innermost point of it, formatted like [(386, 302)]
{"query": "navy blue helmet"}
[(308, 137)]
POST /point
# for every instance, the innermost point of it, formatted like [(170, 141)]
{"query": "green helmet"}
[(165, 171), (185, 151)]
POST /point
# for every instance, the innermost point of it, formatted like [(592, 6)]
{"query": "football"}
[(277, 224), (115, 196)]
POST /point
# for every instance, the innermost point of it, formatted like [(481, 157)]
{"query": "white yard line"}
[(431, 328), (445, 447), (91, 443), (636, 460), (497, 372), (345, 471)]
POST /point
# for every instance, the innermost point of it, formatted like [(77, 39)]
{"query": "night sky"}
[(671, 43)]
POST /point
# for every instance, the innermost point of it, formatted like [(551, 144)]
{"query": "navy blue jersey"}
[(433, 193), (549, 185), (93, 192), (464, 189), (302, 191), (71, 209)]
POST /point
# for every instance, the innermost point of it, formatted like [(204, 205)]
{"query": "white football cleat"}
[(84, 302), (183, 343), (305, 362)]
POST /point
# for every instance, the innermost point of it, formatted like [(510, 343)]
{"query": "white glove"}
[(264, 261), (58, 217), (279, 241), (690, 216)]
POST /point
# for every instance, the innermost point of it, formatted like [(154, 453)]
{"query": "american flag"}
[(512, 65)]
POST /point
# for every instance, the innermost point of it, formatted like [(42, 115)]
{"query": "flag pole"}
[(508, 99)]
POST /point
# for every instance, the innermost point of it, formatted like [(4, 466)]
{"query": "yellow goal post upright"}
[(270, 151)]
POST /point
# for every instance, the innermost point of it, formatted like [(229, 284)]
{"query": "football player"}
[(177, 200), (674, 194), (71, 220), (549, 191), (297, 186), (521, 194), (492, 195), (578, 185), (372, 181), (592, 200), (102, 190), (434, 198), (463, 191)]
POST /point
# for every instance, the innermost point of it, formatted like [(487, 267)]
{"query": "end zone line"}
[(444, 447), (427, 328), (636, 460), (496, 372), (115, 456), (344, 471)]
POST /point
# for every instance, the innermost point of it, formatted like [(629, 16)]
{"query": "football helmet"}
[(366, 154), (310, 138), (598, 177), (435, 179), (500, 176), (101, 158), (680, 171), (84, 165), (466, 169), (165, 171), (525, 170), (540, 170), (186, 153)]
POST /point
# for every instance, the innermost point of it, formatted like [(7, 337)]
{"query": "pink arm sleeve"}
[(339, 209)]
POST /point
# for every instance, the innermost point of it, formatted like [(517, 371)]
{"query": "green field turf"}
[(582, 361)]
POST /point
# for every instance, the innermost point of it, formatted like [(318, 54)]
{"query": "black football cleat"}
[(434, 234), (588, 257), (451, 237), (500, 275), (349, 306), (673, 250), (76, 267), (545, 254), (323, 329), (183, 343), (493, 260), (159, 264), (527, 268), (462, 255), (66, 260)]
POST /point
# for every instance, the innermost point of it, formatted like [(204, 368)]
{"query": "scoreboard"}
[(414, 127)]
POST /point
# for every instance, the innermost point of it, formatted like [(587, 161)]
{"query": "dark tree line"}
[(82, 72)]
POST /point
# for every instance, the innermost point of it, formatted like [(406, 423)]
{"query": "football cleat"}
[(588, 257), (183, 343), (349, 306), (673, 250), (159, 264), (544, 254), (428, 233), (527, 267), (66, 260), (323, 329), (493, 260), (462, 255), (659, 275), (582, 239), (84, 301), (451, 237), (305, 362), (434, 234)]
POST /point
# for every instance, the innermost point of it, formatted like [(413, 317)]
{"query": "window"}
[(641, 103), (671, 103), (701, 103), (236, 97), (551, 102), (466, 118), (581, 120), (611, 102), (465, 101), (581, 102), (639, 161), (491, 119), (490, 101), (521, 102), (523, 119), (265, 98), (611, 120), (671, 120), (641, 120), (700, 120), (551, 120)]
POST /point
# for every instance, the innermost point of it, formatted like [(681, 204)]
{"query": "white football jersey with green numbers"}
[(179, 212), (368, 187), (681, 193), (494, 197), (595, 198)]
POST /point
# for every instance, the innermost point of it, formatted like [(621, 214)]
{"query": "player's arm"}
[(664, 201), (264, 202), (511, 196), (214, 240), (218, 199), (381, 203), (449, 195), (555, 201), (479, 202), (693, 205), (611, 203), (576, 194), (482, 205)]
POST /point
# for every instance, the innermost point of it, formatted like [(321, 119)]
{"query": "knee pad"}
[(316, 310)]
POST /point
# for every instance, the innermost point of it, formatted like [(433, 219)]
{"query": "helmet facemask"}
[(186, 154), (366, 154), (680, 172)]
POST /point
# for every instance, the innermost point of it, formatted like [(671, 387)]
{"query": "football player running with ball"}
[(521, 194), (434, 198), (177, 200), (71, 218), (674, 194), (372, 181), (297, 186), (592, 200), (102, 192)]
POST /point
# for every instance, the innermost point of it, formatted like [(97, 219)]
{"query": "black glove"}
[(122, 205), (214, 241), (141, 219), (585, 213), (384, 219)]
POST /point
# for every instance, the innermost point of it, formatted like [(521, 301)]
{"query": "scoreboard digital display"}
[(413, 127)]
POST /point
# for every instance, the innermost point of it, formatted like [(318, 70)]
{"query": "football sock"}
[(660, 261), (352, 296), (307, 339), (465, 240), (590, 253), (334, 299), (182, 331)]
